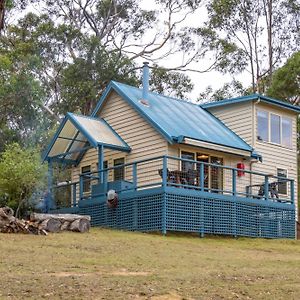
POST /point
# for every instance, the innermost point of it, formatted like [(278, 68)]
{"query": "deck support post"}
[(49, 197), (234, 173), (164, 199), (266, 189), (100, 162)]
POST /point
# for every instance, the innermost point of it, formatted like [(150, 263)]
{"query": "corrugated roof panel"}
[(77, 133), (99, 130), (181, 118)]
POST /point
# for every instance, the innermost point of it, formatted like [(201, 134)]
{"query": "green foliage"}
[(252, 36), (21, 173), (228, 90), (286, 80), (170, 83)]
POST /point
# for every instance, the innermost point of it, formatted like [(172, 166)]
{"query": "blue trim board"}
[(251, 201), (61, 126), (250, 98), (91, 140)]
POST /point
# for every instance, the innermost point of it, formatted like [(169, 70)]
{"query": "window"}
[(287, 132), (282, 184), (105, 165), (262, 125), (186, 165), (275, 129), (119, 172), (86, 180)]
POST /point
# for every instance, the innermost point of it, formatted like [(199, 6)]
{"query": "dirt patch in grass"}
[(108, 264)]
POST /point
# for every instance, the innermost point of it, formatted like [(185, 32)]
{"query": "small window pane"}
[(86, 180), (262, 125), (275, 129), (185, 164), (287, 132), (282, 184), (119, 172)]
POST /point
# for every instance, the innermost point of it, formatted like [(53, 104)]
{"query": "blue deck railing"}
[(169, 171)]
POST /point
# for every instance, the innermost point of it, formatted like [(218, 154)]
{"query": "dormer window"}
[(274, 128)]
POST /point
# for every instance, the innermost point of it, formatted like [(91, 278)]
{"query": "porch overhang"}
[(217, 147), (77, 134)]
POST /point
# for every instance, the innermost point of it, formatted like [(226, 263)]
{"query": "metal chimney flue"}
[(145, 80)]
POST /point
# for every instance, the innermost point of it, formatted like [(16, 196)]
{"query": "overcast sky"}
[(201, 81)]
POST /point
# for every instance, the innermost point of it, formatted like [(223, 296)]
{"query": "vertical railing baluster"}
[(234, 182), (164, 172), (201, 181), (292, 188), (266, 189), (74, 193), (134, 176), (80, 187), (105, 181)]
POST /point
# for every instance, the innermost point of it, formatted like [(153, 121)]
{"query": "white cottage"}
[(226, 167)]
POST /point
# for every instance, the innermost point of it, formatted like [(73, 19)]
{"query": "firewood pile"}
[(41, 224)]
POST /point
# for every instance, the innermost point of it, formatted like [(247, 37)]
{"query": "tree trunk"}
[(60, 217), (80, 225)]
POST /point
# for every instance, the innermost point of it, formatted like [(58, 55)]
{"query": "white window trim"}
[(269, 129)]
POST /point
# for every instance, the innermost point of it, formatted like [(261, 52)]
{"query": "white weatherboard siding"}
[(238, 117), (144, 140), (241, 118)]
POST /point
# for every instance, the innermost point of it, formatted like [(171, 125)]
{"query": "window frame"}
[(122, 177), (268, 121), (283, 183), (291, 132), (86, 181), (281, 117)]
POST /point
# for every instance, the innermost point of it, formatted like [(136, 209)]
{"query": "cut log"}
[(6, 212), (65, 226), (50, 225), (60, 217), (80, 225)]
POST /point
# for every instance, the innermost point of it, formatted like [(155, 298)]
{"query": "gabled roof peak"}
[(252, 97)]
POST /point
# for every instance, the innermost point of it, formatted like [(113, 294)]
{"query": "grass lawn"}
[(108, 264)]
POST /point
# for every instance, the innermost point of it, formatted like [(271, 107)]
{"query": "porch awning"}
[(77, 134)]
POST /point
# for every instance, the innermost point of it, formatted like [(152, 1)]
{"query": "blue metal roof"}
[(175, 118), (252, 97)]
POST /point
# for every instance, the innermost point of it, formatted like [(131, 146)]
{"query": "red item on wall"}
[(241, 167)]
